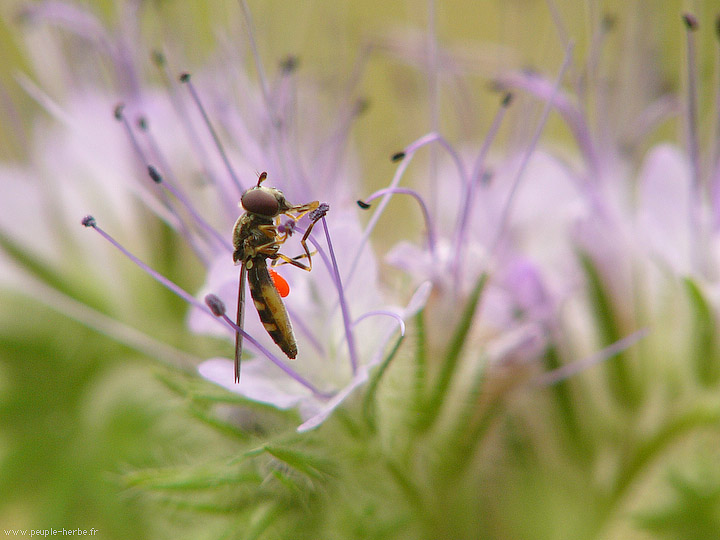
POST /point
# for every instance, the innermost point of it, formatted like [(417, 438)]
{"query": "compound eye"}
[(259, 201)]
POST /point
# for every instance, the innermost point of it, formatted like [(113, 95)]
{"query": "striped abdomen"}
[(270, 307)]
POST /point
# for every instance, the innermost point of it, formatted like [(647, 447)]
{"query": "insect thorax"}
[(253, 236)]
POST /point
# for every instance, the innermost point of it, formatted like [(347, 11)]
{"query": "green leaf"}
[(457, 342), (704, 341), (41, 270), (193, 478), (420, 360), (369, 402), (308, 464), (693, 513), (623, 387), (566, 406), (470, 426), (670, 433)]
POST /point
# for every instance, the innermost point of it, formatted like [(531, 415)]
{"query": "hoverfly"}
[(256, 239)]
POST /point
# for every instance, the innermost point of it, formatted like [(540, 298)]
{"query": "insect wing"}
[(239, 321)]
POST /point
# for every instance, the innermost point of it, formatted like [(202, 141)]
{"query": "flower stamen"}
[(180, 224), (384, 312), (182, 112), (173, 186), (212, 306), (476, 176), (549, 104), (185, 79), (429, 225), (404, 157), (691, 25), (352, 350), (89, 221), (217, 308), (568, 370), (203, 225)]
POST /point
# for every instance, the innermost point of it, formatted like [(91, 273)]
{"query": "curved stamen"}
[(429, 226), (352, 350), (405, 157), (507, 209), (383, 312), (332, 267), (544, 89)]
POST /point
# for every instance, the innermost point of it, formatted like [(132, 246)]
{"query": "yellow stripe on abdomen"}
[(270, 308)]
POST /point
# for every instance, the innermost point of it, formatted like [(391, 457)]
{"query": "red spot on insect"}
[(280, 284)]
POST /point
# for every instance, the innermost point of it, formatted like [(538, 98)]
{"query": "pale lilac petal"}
[(322, 413), (664, 199), (418, 299), (260, 381), (413, 260)]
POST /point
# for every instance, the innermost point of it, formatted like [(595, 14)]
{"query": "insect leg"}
[(284, 259), (303, 243), (281, 258), (294, 261), (301, 210)]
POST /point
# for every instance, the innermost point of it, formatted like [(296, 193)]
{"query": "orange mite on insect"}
[(281, 285)]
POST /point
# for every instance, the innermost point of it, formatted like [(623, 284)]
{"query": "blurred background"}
[(78, 410)]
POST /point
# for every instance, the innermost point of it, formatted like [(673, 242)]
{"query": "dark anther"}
[(361, 105), (397, 157), (118, 111), (363, 204), (88, 221), (158, 58), (216, 305), (184, 77), (155, 176), (690, 21), (608, 22), (290, 63), (507, 99), (319, 212)]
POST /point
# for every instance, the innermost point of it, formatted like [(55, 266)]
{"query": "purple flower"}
[(186, 152)]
